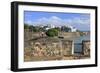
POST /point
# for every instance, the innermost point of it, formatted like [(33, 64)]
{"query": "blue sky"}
[(81, 21)]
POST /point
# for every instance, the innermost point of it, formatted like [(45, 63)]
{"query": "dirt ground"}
[(41, 58)]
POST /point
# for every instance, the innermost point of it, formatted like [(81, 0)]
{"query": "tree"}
[(52, 32), (65, 29), (31, 28), (26, 26), (58, 28)]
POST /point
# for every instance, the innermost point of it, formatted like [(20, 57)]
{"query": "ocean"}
[(78, 43)]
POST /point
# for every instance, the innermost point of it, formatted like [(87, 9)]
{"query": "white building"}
[(50, 26), (73, 29)]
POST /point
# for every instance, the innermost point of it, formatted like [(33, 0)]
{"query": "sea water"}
[(78, 43)]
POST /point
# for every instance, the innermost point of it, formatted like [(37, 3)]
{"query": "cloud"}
[(28, 22), (57, 21), (55, 18), (81, 22)]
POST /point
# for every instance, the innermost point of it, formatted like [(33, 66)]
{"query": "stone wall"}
[(31, 35), (47, 49), (67, 47), (86, 48), (38, 47), (69, 34), (51, 48)]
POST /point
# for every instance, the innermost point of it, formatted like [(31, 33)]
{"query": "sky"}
[(80, 21)]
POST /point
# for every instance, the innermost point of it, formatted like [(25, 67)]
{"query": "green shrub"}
[(52, 32)]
